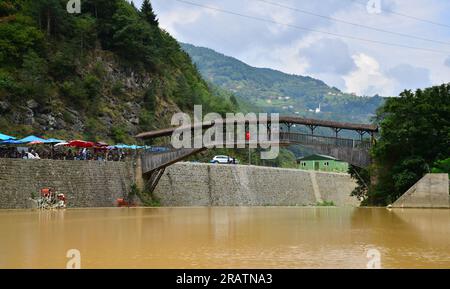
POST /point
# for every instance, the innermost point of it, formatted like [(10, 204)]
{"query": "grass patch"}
[(148, 199), (325, 204)]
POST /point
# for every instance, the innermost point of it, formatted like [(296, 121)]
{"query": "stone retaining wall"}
[(85, 183), (99, 184), (189, 184)]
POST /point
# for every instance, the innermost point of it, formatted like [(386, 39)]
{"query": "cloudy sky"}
[(277, 38)]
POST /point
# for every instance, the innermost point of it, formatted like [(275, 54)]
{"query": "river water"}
[(265, 237)]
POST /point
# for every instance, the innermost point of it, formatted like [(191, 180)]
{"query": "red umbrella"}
[(80, 144)]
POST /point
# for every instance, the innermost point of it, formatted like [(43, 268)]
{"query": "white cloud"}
[(179, 17), (265, 44), (277, 15), (368, 79)]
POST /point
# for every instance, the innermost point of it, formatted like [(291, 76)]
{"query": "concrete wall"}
[(432, 191), (85, 183), (188, 184)]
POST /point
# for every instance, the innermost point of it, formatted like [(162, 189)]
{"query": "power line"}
[(405, 15), (352, 23), (313, 30)]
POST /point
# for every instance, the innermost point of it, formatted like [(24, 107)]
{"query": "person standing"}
[(84, 154)]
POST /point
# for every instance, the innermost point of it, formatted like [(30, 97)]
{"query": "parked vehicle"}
[(224, 160)]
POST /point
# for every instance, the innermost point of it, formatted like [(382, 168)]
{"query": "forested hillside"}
[(275, 91), (105, 74)]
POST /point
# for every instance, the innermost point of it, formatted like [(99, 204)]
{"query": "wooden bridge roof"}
[(370, 128), (283, 119)]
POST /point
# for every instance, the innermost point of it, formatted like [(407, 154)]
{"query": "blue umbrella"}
[(5, 137), (10, 141), (129, 147), (29, 139)]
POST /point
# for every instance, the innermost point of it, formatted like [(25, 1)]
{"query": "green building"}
[(322, 163)]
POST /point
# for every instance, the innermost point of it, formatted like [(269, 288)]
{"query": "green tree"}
[(103, 12), (17, 37), (148, 14), (51, 15), (415, 133), (8, 7), (133, 37), (34, 77), (234, 101), (63, 62), (85, 28)]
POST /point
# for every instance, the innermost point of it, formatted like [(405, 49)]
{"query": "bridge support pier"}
[(153, 178), (138, 177)]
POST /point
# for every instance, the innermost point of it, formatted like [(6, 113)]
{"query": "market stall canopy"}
[(30, 140), (55, 141), (5, 137), (101, 144), (81, 144), (130, 147), (9, 142), (26, 140)]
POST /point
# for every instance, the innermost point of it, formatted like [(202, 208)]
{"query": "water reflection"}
[(266, 237)]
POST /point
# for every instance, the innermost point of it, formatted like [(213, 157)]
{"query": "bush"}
[(7, 82), (119, 134), (17, 38), (442, 167), (148, 199), (150, 100), (94, 129), (62, 64), (92, 85), (75, 93), (146, 120), (325, 204), (117, 89)]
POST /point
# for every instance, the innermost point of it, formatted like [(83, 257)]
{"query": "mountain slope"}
[(106, 74), (275, 91)]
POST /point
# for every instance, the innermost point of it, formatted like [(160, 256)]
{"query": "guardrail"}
[(308, 139)]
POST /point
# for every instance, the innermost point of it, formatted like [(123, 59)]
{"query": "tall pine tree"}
[(148, 13)]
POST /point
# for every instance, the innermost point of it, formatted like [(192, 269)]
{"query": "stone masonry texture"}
[(85, 183), (191, 184), (100, 184)]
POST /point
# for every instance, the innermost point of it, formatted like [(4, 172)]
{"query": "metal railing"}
[(309, 139)]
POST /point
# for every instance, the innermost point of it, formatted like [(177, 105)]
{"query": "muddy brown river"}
[(261, 237)]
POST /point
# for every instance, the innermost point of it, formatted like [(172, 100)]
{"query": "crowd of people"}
[(43, 152)]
